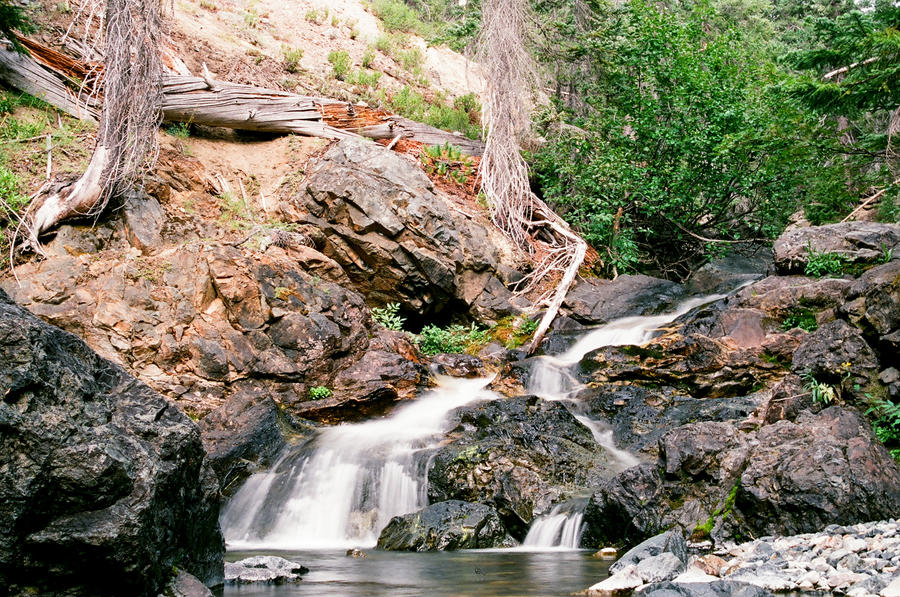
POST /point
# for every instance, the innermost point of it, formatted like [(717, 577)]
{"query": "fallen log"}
[(53, 86)]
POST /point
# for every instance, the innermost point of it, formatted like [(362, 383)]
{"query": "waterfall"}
[(560, 529), (551, 379), (344, 488)]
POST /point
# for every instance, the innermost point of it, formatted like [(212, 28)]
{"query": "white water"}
[(357, 477), (561, 529), (551, 379)]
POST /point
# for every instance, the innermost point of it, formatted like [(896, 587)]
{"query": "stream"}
[(339, 490)]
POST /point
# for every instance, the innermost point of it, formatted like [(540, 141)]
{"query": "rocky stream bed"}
[(695, 419)]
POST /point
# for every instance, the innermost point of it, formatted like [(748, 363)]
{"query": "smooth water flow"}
[(551, 379), (561, 529), (343, 490)]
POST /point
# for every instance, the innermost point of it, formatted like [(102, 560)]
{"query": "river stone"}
[(104, 485), (446, 526), (263, 569), (143, 217), (719, 588), (832, 351), (671, 542), (664, 566), (620, 584), (185, 585)]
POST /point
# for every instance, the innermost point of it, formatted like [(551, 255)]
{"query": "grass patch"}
[(805, 319), (340, 63)]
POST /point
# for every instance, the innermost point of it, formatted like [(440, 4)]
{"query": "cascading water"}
[(551, 379), (343, 490)]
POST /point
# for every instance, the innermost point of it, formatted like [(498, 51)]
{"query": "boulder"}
[(446, 526), (520, 456), (97, 473), (593, 301), (621, 584), (662, 567), (242, 436), (858, 242), (711, 479), (270, 570), (670, 542), (401, 240), (835, 350), (873, 304), (825, 468), (143, 218)]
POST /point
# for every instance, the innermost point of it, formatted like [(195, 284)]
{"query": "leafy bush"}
[(13, 200), (368, 58), (820, 392), (411, 59), (413, 105), (822, 263), (681, 137), (398, 16), (179, 130), (319, 393), (389, 316), (447, 162), (455, 338), (340, 62), (886, 425), (292, 58), (805, 319)]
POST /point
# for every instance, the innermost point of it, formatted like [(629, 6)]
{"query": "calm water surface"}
[(493, 573)]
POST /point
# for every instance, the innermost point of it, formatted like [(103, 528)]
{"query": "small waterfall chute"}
[(560, 529), (341, 490)]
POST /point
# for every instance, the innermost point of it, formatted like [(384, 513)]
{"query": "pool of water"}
[(475, 573)]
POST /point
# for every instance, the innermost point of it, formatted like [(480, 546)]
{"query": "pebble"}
[(859, 560)]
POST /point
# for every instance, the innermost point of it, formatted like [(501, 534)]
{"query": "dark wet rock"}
[(858, 242), (639, 415), (835, 350), (242, 436), (446, 526), (669, 542), (270, 570), (400, 240), (593, 301), (725, 274), (695, 364), (518, 455), (712, 479), (789, 398), (143, 218), (104, 485), (185, 585), (782, 490), (717, 588), (874, 306), (457, 365)]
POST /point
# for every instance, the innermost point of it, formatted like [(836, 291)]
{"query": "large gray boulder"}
[(401, 240), (104, 485), (858, 242), (712, 479)]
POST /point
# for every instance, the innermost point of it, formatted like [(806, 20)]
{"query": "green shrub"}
[(455, 338), (292, 58), (319, 393), (823, 263), (385, 44), (8, 103), (886, 425), (805, 319), (180, 130), (411, 59), (340, 62), (368, 58), (389, 316), (398, 16), (820, 392), (13, 200)]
